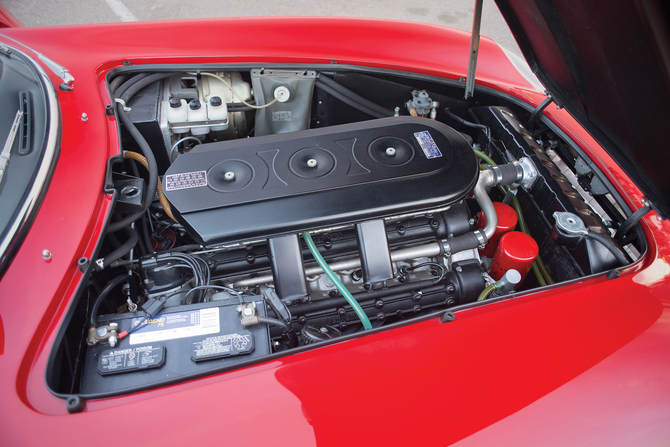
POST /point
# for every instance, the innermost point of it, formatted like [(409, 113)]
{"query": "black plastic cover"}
[(287, 183)]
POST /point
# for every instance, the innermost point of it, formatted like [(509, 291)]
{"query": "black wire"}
[(238, 293), (433, 264), (103, 294)]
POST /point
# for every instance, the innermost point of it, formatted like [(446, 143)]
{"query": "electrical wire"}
[(176, 145), (336, 281), (425, 264), (227, 84), (236, 292)]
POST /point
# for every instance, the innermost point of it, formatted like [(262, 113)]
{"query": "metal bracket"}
[(123, 103)]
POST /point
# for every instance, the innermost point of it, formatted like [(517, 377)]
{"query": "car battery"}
[(180, 343)]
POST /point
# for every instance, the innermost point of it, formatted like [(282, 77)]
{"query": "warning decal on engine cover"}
[(176, 325), (185, 180), (133, 359), (282, 115), (427, 144), (221, 346)]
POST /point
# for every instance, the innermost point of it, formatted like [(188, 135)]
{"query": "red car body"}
[(584, 363)]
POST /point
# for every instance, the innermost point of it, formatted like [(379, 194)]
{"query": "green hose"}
[(487, 291), (336, 281), (539, 269)]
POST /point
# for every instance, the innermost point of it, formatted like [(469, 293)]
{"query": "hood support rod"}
[(474, 50)]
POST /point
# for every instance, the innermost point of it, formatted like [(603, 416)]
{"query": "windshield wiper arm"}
[(59, 70), (6, 151)]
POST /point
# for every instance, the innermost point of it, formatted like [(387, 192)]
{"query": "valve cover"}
[(287, 183)]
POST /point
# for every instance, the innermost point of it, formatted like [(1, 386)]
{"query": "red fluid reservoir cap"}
[(507, 220), (516, 250)]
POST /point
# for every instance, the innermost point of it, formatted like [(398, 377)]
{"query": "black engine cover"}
[(312, 179)]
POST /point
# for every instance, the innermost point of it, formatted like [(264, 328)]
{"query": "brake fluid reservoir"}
[(217, 110), (196, 112), (178, 113)]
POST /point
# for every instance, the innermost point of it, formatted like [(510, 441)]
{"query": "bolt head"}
[(390, 151), (248, 312), (229, 176), (459, 269), (46, 255), (84, 117), (311, 163)]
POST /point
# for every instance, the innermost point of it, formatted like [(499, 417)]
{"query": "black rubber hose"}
[(631, 221), (345, 99), (139, 85), (123, 249), (123, 223), (139, 138), (148, 154), (126, 85), (610, 245), (145, 233), (273, 322), (464, 122), (103, 294), (117, 81), (356, 97)]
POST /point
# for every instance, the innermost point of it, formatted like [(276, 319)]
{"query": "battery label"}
[(176, 325), (221, 346), (133, 359), (427, 144), (185, 180)]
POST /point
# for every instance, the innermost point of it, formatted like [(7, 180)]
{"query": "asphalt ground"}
[(453, 13)]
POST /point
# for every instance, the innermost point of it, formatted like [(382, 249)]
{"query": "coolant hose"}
[(336, 281), (103, 294), (146, 150), (354, 96), (609, 245), (159, 187), (123, 223), (345, 99), (273, 322), (133, 237)]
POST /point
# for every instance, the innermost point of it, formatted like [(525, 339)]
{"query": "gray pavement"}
[(452, 13)]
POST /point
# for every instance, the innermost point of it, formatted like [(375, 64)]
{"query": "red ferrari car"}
[(344, 231)]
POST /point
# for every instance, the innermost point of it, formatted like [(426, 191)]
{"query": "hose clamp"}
[(123, 103), (528, 172)]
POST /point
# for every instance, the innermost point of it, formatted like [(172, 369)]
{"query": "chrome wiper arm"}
[(6, 151), (56, 68)]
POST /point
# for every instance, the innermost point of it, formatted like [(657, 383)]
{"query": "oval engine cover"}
[(292, 182)]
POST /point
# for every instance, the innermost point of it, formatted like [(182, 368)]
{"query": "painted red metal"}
[(7, 19), (513, 371), (507, 220), (516, 250)]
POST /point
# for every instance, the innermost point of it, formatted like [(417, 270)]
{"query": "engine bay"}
[(264, 211)]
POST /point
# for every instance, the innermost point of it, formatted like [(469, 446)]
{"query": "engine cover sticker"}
[(185, 180), (221, 346), (133, 359), (427, 144), (281, 116), (176, 325)]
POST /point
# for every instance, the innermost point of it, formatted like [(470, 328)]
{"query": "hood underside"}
[(608, 64)]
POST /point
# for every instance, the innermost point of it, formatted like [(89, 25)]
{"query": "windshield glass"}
[(26, 150)]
